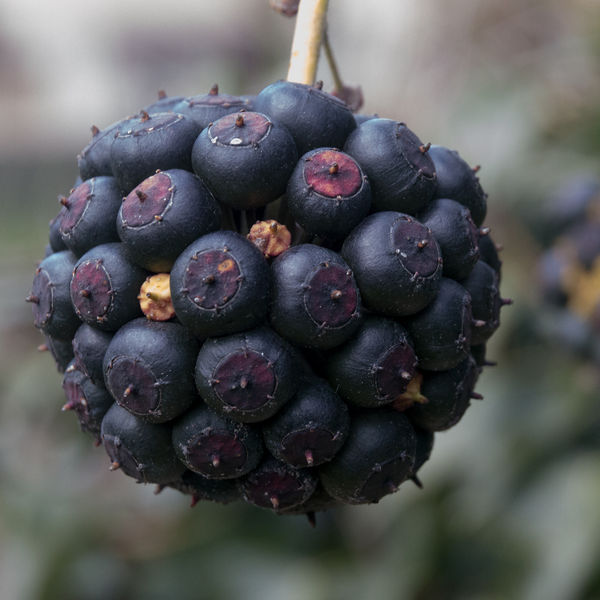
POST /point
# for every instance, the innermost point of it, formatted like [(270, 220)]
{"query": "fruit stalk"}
[(306, 44)]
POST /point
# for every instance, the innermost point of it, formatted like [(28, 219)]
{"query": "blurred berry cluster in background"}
[(511, 501)]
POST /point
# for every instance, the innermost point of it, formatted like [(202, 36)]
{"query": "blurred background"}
[(511, 503)]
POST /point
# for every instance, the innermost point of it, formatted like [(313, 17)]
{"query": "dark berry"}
[(441, 333), (89, 214), (424, 447), (140, 449), (163, 104), (220, 285), (61, 350), (457, 180), (165, 213), (488, 253), (400, 171), (149, 369), (94, 159), (277, 485), (448, 396), (377, 457), (205, 109), (88, 401), (396, 261), (55, 239), (215, 447), (89, 348), (50, 298), (315, 302), (314, 118), (375, 366), (456, 234), (222, 491), (247, 376), (328, 194), (105, 287), (482, 285), (245, 159), (160, 141), (311, 428)]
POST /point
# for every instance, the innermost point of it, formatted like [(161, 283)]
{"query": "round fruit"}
[(315, 302), (328, 194), (216, 447), (220, 285), (310, 428), (401, 174), (50, 296), (377, 457), (396, 261), (374, 367), (247, 376), (105, 285), (162, 215), (314, 118), (149, 369), (140, 449), (245, 158)]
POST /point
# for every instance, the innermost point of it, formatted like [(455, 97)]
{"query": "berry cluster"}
[(298, 364)]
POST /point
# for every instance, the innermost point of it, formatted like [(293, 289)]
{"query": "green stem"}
[(306, 44)]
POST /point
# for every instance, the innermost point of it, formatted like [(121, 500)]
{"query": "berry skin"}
[(457, 180), (314, 118), (245, 158), (375, 366), (89, 347), (205, 109), (328, 194), (396, 261), (311, 428), (105, 286), (401, 173), (94, 159), (140, 449), (488, 253), (89, 213), (149, 369), (220, 285), (456, 234), (448, 396), (52, 309), (246, 377), (54, 238), (278, 486), (160, 141), (163, 104), (216, 447), (61, 350), (162, 215), (223, 491), (90, 402), (441, 333), (482, 285), (377, 457), (315, 302)]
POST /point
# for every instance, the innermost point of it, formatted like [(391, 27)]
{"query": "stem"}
[(335, 74), (308, 35)]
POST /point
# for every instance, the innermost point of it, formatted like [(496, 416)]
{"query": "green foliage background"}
[(511, 505)]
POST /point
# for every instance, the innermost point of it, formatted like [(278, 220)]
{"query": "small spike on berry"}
[(415, 479), (43, 348), (476, 168), (424, 148), (476, 396), (95, 130), (214, 90), (484, 231), (114, 466), (162, 94)]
